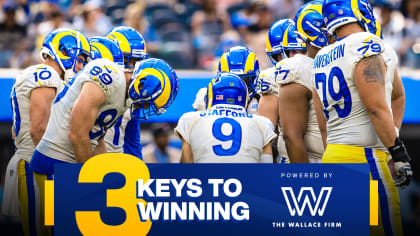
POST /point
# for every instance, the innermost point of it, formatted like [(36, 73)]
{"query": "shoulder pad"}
[(266, 83), (366, 45)]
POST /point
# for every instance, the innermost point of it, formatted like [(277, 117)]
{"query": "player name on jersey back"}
[(225, 134), (333, 78), (332, 55), (220, 111)]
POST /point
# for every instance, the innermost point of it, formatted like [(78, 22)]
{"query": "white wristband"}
[(266, 158), (397, 131)]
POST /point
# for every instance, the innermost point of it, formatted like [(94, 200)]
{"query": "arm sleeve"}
[(182, 129), (267, 130), (292, 70), (104, 74), (45, 76), (199, 102), (266, 83), (391, 60), (366, 45)]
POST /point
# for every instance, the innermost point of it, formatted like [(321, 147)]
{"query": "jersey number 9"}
[(235, 136)]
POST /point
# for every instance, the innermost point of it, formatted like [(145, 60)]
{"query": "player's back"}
[(298, 70), (266, 83), (225, 134), (31, 78), (105, 74), (347, 119), (200, 102)]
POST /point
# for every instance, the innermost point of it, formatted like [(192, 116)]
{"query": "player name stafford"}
[(297, 224), (225, 112)]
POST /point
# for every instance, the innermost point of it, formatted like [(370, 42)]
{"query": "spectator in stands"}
[(409, 50), (12, 33), (228, 39), (284, 8), (134, 17), (22, 56), (392, 23), (159, 150), (55, 20), (252, 24), (207, 26), (92, 21), (42, 10), (408, 7)]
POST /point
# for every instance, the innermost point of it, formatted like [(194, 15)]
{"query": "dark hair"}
[(160, 129)]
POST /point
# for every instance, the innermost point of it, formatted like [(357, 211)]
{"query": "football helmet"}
[(310, 24), (65, 46), (341, 12), (228, 89), (367, 16), (281, 37), (106, 48), (241, 61), (153, 88), (131, 43)]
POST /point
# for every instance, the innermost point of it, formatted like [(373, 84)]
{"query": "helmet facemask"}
[(152, 89), (130, 61), (144, 108)]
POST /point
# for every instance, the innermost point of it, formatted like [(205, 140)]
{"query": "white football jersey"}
[(200, 102), (266, 83), (347, 119), (225, 134), (298, 69), (114, 137), (391, 61), (109, 77), (31, 78)]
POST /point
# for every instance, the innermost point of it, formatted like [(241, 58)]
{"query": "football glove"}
[(402, 166)]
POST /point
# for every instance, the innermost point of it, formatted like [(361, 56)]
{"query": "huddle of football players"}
[(63, 108), (333, 95)]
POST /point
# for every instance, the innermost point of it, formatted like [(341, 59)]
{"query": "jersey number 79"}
[(343, 92)]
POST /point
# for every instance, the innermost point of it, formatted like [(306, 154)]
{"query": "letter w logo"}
[(305, 198)]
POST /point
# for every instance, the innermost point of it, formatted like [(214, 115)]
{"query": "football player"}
[(64, 52), (352, 78), (297, 115), (225, 133), (398, 95), (241, 61), (96, 99), (281, 43), (124, 136), (93, 101)]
